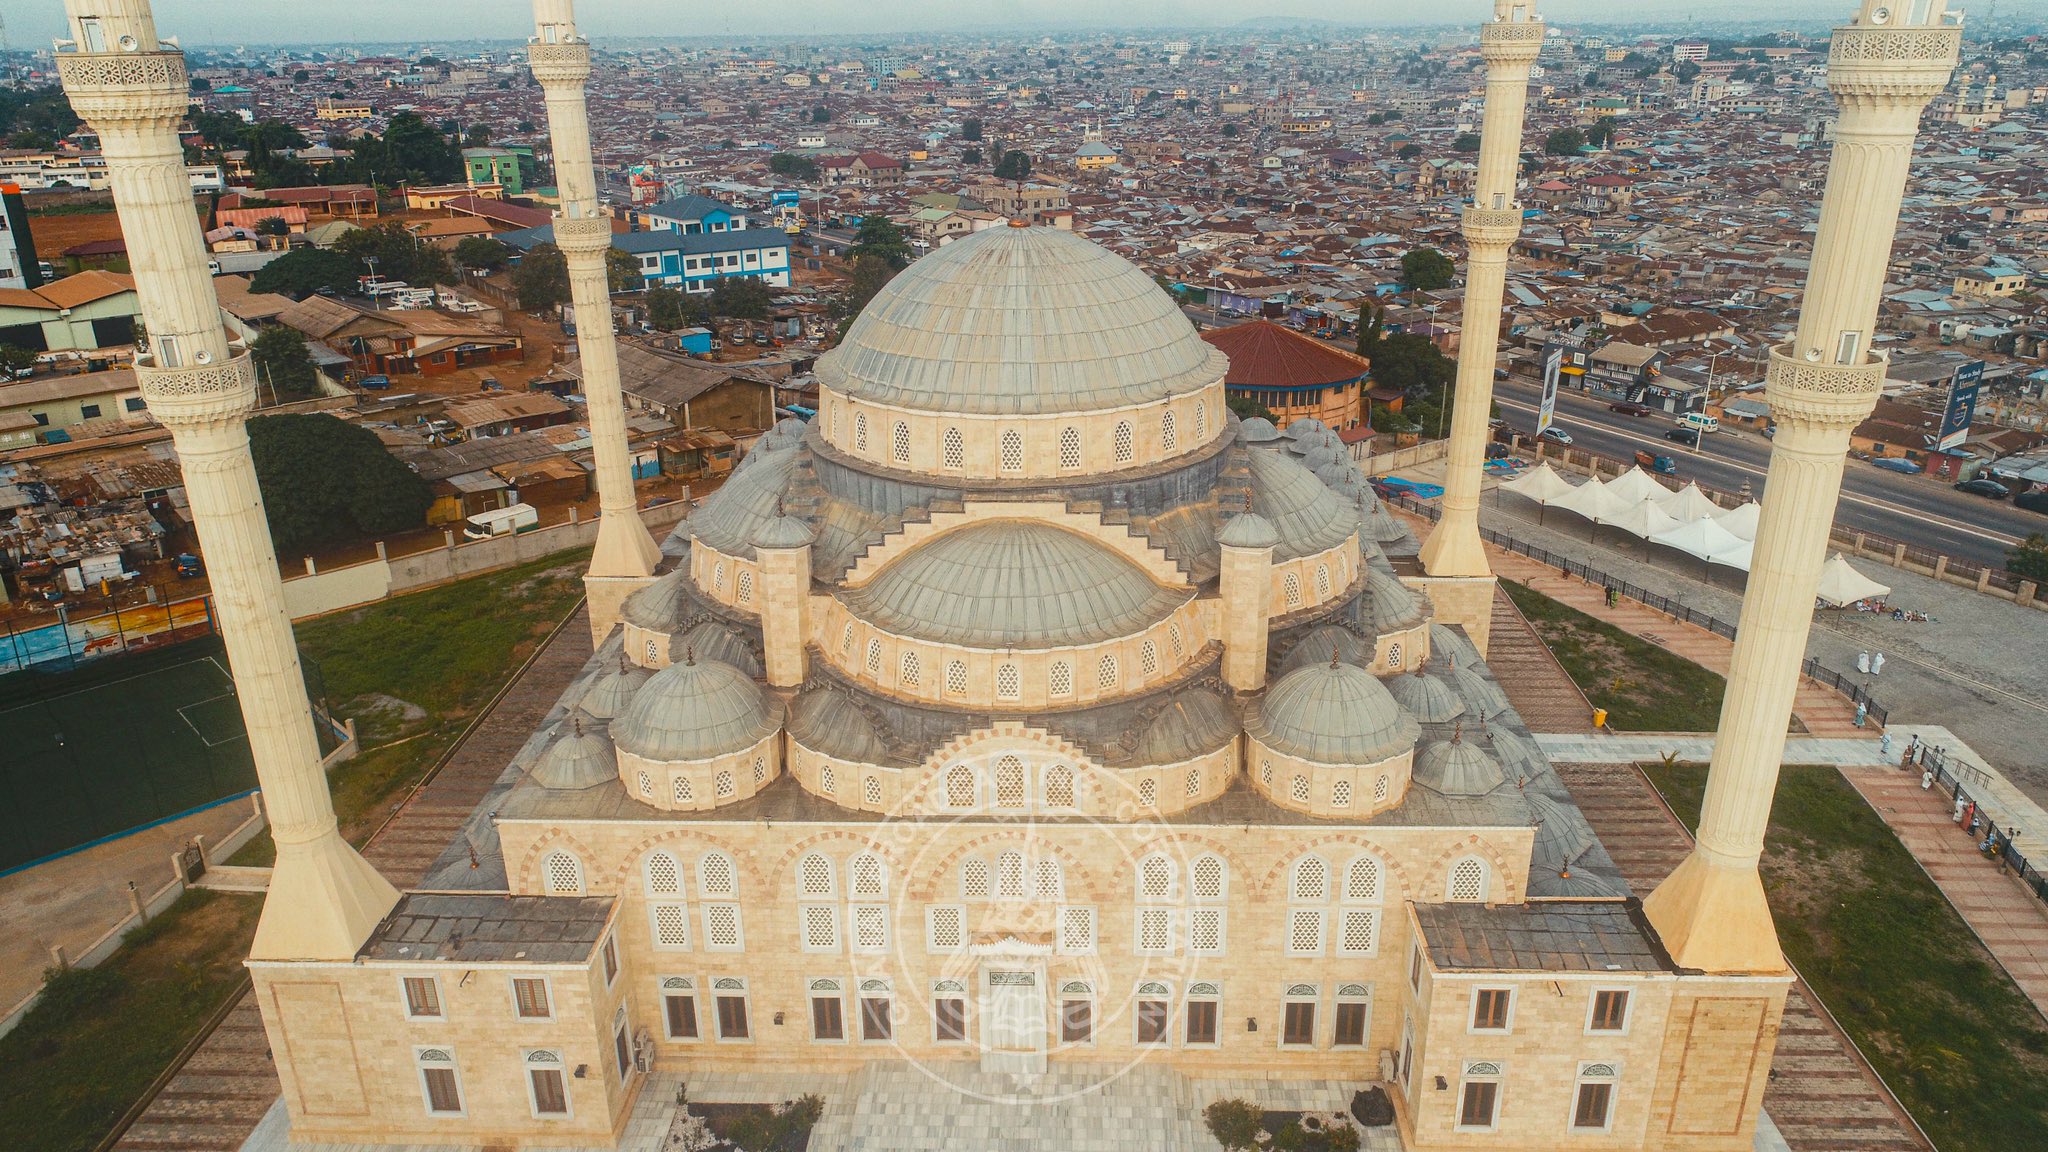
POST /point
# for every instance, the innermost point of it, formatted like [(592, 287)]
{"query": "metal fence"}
[(1856, 692), (1957, 777)]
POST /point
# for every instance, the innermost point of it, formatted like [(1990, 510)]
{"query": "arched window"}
[(1311, 880), (1010, 451), (899, 443), (974, 879), (874, 657), (814, 877), (1362, 881), (724, 785), (1167, 439), (664, 875), (1173, 637), (1148, 658), (1060, 681), (1120, 441), (860, 432), (716, 877), (1322, 581), (1009, 782), (681, 789), (562, 874), (955, 451), (1340, 794), (1201, 421), (1010, 875), (1008, 684), (1467, 883), (846, 641), (956, 677), (1148, 792), (1047, 880), (1070, 448), (745, 593), (1059, 786), (1394, 655), (1290, 589), (1380, 788), (1209, 876), (871, 791), (718, 576), (1155, 878), (907, 673), (1298, 789), (869, 878), (1194, 782), (960, 786), (828, 782), (1106, 676)]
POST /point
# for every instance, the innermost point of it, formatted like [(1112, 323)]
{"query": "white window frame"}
[(1205, 992), (1060, 933), (527, 1064), (654, 911), (854, 912), (1161, 992), (931, 913), (1222, 914), (547, 987), (405, 999), (953, 990), (1472, 1010), (1628, 1010), (1346, 995), (803, 927), (739, 926), (1322, 930), (666, 986), (1295, 994), (420, 1064), (1344, 914), (1165, 911), (1470, 1074), (818, 988), (746, 996), (873, 988), (1606, 1072)]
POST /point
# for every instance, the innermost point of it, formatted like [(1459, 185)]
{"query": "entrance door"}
[(1013, 1015)]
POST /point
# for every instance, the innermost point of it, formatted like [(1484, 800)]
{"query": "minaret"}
[(1510, 43), (626, 554), (324, 898), (1883, 69)]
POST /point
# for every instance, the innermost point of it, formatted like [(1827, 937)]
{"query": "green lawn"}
[(1961, 1046), (1644, 688)]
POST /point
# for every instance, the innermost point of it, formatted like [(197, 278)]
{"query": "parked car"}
[(375, 383), (1984, 486), (1700, 422), (1894, 464), (190, 566), (1557, 435), (1689, 437), (1630, 408), (2032, 501)]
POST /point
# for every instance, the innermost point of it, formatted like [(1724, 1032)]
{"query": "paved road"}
[(1923, 512)]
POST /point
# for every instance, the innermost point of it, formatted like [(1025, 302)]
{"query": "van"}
[(501, 522), (1699, 422)]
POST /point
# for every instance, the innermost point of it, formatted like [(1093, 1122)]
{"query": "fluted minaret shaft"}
[(1883, 70), (324, 899), (1509, 43), (561, 63)]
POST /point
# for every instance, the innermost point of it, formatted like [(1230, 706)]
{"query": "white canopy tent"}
[(1593, 501), (1636, 484), (1736, 557), (1541, 484), (1841, 584), (1740, 521), (1644, 519), (1689, 504), (1703, 539)]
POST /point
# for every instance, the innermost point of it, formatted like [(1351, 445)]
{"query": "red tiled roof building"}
[(1291, 374)]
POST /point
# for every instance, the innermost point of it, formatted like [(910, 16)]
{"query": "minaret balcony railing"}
[(1495, 226), (197, 393), (105, 86), (559, 63), (578, 235), (1905, 63), (1815, 392)]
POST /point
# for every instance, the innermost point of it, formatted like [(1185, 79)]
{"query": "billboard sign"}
[(1553, 361), (1962, 405), (783, 196)]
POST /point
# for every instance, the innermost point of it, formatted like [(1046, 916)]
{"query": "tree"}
[(870, 274), (793, 166), (1426, 270), (970, 158), (970, 129), (1247, 408), (327, 481), (1409, 151), (542, 279), (399, 255), (1466, 142), (1230, 131), (821, 114), (1686, 71), (304, 271), (1564, 142), (671, 308), (1372, 329), (14, 358), (2029, 561), (482, 253), (1411, 362), (301, 76), (1601, 134), (1013, 166), (282, 361), (740, 298), (879, 237), (622, 271), (1235, 1124)]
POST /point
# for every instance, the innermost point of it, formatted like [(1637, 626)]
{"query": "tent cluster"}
[(1687, 519)]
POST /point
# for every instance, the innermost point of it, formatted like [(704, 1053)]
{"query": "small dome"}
[(676, 544), (1308, 516), (1455, 768), (787, 431), (579, 758), (657, 605), (1445, 640), (711, 640), (1193, 723), (1481, 693), (1428, 698), (1395, 607), (827, 721), (1341, 475), (1381, 525), (694, 712), (1524, 762), (1257, 430), (783, 532), (1248, 530), (1321, 642), (1305, 426), (609, 694), (1021, 321), (1332, 714), (1013, 584), (728, 519), (1562, 835), (1320, 456)]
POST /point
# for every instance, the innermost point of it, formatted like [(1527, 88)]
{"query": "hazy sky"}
[(195, 22)]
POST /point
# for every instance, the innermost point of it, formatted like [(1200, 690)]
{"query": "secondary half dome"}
[(1013, 584), (1332, 713), (1020, 321)]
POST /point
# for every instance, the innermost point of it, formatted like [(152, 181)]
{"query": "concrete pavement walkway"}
[(1632, 747)]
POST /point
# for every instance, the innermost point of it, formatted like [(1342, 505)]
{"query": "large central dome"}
[(1025, 321)]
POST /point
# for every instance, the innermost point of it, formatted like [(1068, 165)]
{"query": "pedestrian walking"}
[(1877, 663), (1927, 780), (1863, 662), (1884, 745)]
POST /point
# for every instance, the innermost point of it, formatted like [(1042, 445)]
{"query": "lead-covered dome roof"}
[(1012, 584), (695, 711), (1023, 321), (1332, 713)]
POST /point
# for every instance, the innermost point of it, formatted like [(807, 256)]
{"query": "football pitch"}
[(116, 744)]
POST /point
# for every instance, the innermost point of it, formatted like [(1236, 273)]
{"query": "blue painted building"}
[(690, 215), (693, 261)]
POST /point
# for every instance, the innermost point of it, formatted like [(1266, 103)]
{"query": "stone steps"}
[(1536, 684)]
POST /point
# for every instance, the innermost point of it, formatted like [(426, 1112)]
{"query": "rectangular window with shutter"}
[(1350, 1024), (875, 1023), (1610, 1011), (1298, 1027), (1201, 1021), (671, 926), (1595, 1102), (1205, 931), (1360, 932), (622, 1051), (722, 927), (1305, 932), (1155, 931), (1077, 1021), (870, 928), (1152, 1021), (530, 997), (680, 1010), (611, 960), (1476, 1106), (444, 1094), (949, 1020), (1490, 1009), (820, 927), (1077, 931), (422, 998), (945, 928), (732, 1017), (827, 1020), (550, 1095)]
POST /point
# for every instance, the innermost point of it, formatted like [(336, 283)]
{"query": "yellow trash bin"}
[(1599, 717)]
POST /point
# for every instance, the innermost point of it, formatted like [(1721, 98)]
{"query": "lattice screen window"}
[(724, 785), (1290, 589), (945, 928), (1468, 881), (646, 782), (870, 880), (1167, 438), (1380, 788), (562, 874), (1201, 420), (1010, 876), (1173, 637), (1305, 932), (899, 443), (1340, 794), (1009, 782), (664, 877), (956, 677), (1008, 684), (1010, 452), (874, 657), (1207, 874), (974, 878), (671, 926), (1077, 931), (1194, 782), (1121, 442), (1106, 674), (1362, 881), (827, 782), (1361, 932), (1155, 931), (745, 594), (1155, 878), (1148, 658), (1070, 448), (722, 926), (1048, 881), (1205, 931), (871, 791), (846, 641), (955, 451), (1266, 773), (1148, 792), (909, 672), (716, 876), (820, 927), (1298, 789), (838, 420), (760, 770), (870, 927), (1311, 879), (960, 786), (1394, 655), (860, 432), (1323, 581), (653, 653), (1060, 681), (814, 877), (1059, 786), (718, 576)]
